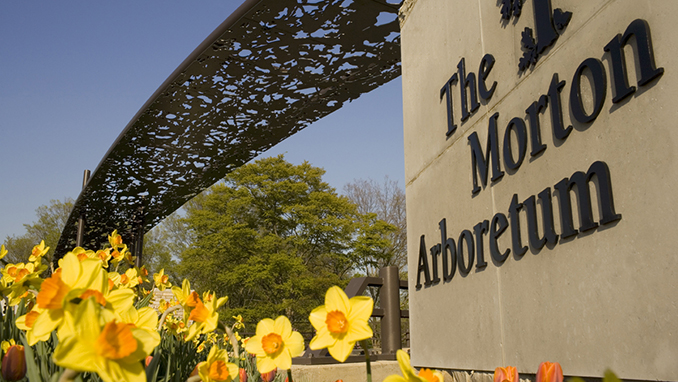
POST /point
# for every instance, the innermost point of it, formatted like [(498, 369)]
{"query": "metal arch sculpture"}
[(271, 69)]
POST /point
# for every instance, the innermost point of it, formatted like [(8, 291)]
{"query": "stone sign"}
[(541, 142)]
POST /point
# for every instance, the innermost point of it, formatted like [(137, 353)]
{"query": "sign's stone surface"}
[(564, 103)]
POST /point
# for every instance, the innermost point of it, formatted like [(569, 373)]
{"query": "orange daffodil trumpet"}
[(340, 323), (275, 344), (410, 375), (506, 374), (549, 372), (217, 367)]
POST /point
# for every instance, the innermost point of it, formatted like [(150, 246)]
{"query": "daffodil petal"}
[(361, 308), (336, 299), (318, 317), (341, 350), (265, 364), (71, 353), (322, 339), (265, 327), (395, 378), (121, 299), (114, 371), (282, 326), (283, 360), (47, 321), (70, 268), (405, 366), (254, 347), (148, 319), (295, 344), (359, 330)]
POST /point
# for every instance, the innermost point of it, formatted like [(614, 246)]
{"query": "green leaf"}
[(610, 376), (32, 370), (144, 302)]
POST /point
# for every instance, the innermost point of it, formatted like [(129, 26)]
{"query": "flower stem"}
[(68, 375), (368, 366), (289, 375), (164, 315)]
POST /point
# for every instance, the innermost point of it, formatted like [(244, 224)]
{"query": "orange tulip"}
[(148, 360), (14, 364), (508, 374), (243, 375), (268, 377), (549, 372)]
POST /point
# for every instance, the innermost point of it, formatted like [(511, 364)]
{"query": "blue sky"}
[(73, 74)]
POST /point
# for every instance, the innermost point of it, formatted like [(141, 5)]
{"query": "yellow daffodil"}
[(129, 279), (340, 323), (204, 316), (100, 344), (161, 280), (105, 256), (238, 322), (115, 240), (143, 274), (26, 322), (74, 279), (16, 272), (3, 251), (217, 367), (6, 344), (410, 375), (38, 252), (275, 344)]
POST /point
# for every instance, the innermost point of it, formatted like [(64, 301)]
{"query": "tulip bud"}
[(508, 373), (148, 360), (243, 375), (268, 377), (549, 372), (14, 363)]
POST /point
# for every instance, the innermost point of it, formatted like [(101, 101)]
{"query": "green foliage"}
[(173, 359), (51, 221), (273, 237)]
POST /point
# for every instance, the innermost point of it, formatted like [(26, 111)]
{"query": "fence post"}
[(389, 297), (81, 221)]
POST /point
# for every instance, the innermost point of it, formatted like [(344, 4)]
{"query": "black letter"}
[(605, 198), (447, 92), (479, 229), (435, 251), (463, 269), (495, 232), (464, 82), (449, 267), (423, 264), (547, 217), (644, 52), (535, 130), (518, 126), (599, 89), (518, 249), (480, 163), (556, 110), (486, 65)]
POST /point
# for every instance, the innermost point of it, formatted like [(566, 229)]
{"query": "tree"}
[(164, 244), (273, 237), (384, 241), (51, 221), (387, 202)]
